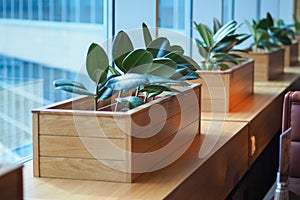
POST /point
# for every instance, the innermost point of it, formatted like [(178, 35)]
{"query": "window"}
[(83, 11), (172, 14)]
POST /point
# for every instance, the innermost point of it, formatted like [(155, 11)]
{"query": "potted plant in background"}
[(103, 133), (296, 27), (222, 71), (285, 36), (267, 53)]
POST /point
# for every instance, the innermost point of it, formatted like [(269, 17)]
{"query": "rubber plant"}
[(139, 70), (268, 35), (216, 47)]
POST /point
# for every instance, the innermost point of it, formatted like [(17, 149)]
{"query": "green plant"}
[(268, 35), (149, 71), (296, 25), (216, 46)]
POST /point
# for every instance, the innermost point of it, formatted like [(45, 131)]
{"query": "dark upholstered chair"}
[(291, 118)]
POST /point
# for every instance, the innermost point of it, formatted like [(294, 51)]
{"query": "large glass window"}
[(25, 9), (70, 10), (83, 11), (57, 10), (228, 14), (48, 41), (172, 14), (35, 9), (45, 10)]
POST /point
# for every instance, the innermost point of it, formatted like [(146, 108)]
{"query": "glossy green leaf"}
[(226, 29), (126, 82), (114, 71), (178, 49), (217, 25), (223, 66), (146, 34), (122, 46), (205, 33), (75, 90), (158, 88), (159, 47), (133, 80), (138, 61), (66, 82), (250, 27), (164, 67), (96, 63), (183, 60), (104, 93), (130, 101)]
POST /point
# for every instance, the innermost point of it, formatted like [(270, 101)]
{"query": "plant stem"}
[(137, 91), (95, 102), (119, 95)]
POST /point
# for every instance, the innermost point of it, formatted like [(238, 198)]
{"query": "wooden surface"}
[(244, 133), (66, 142), (225, 162), (11, 182), (262, 108), (223, 90)]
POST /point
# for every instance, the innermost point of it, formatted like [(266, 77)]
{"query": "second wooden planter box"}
[(291, 54), (267, 65), (72, 141), (223, 90)]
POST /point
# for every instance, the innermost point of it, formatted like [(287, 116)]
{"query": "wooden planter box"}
[(291, 54), (298, 39), (223, 90), (268, 65), (11, 182), (101, 145)]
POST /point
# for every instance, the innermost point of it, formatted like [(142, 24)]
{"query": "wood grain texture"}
[(291, 54), (231, 139), (268, 66), (88, 136), (223, 90), (262, 111), (35, 143)]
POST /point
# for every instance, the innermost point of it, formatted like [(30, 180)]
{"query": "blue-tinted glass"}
[(16, 9), (25, 9), (36, 81), (99, 11), (1, 9), (85, 11), (45, 9), (181, 13), (70, 10), (227, 10), (8, 9), (172, 14), (35, 9), (57, 10), (166, 14)]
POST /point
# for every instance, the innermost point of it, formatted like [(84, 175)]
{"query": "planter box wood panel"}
[(223, 90), (291, 54), (80, 143), (268, 66), (11, 182)]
